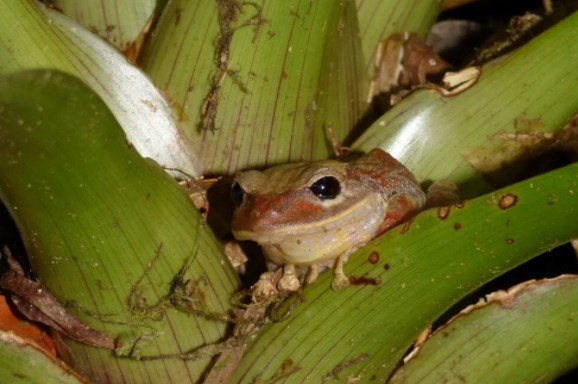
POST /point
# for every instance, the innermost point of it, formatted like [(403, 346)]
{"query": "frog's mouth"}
[(355, 217)]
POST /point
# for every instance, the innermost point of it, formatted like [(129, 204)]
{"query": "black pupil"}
[(237, 194), (327, 187)]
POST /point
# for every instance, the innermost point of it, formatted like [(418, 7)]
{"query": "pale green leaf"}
[(527, 335), (41, 38), (108, 232), (24, 362), (117, 21), (257, 84)]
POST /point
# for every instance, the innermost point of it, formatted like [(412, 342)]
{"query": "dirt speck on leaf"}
[(507, 201), (373, 257), (333, 374), (444, 212), (364, 280)]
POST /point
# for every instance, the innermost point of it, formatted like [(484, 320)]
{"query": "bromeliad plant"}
[(117, 242)]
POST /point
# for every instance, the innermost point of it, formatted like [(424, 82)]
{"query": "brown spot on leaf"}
[(364, 280), (373, 257), (178, 15), (386, 266), (457, 226), (343, 365), (507, 201), (150, 105), (509, 240), (553, 198), (287, 364), (444, 212), (525, 124), (460, 205)]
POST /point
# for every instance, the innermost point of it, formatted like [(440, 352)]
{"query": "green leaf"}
[(526, 335), (492, 125), (259, 84), (413, 274), (42, 38), (108, 232), (25, 362), (117, 21)]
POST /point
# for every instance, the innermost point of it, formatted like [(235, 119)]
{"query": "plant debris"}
[(518, 28), (403, 62), (344, 365), (364, 280), (512, 156), (34, 301), (228, 15)]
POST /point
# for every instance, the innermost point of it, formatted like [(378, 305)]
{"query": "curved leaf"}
[(501, 119), (532, 322), (117, 21), (26, 363), (107, 232), (259, 84), (33, 39), (409, 277)]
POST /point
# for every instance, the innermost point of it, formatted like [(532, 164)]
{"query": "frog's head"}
[(308, 211)]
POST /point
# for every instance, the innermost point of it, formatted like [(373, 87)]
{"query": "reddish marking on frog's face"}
[(270, 210)]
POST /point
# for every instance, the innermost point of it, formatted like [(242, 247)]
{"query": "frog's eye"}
[(327, 187), (237, 193)]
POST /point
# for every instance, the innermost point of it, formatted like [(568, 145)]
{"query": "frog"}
[(316, 214)]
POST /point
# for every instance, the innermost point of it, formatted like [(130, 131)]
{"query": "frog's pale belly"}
[(326, 240)]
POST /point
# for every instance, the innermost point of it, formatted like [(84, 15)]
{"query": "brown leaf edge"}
[(503, 298)]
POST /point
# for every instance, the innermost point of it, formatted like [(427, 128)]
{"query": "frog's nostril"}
[(237, 193)]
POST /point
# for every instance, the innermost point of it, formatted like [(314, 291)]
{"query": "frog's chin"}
[(314, 246), (323, 247)]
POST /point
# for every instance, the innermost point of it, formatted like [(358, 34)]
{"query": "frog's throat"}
[(356, 212)]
